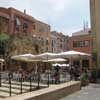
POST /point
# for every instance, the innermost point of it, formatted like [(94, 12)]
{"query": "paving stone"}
[(91, 92)]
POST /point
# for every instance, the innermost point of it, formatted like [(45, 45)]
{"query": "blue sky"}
[(65, 16)]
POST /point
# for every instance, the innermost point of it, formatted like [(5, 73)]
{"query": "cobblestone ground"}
[(91, 92)]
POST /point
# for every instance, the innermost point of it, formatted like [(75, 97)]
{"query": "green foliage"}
[(24, 44), (84, 77), (94, 73), (11, 45), (4, 37)]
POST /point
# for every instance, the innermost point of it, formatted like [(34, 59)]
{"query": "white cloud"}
[(62, 15), (4, 3), (53, 9), (71, 30), (57, 5)]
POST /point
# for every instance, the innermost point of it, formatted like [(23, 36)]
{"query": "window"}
[(81, 44), (46, 48), (17, 28), (47, 42), (74, 44), (86, 43), (25, 27), (77, 44), (17, 24), (37, 48), (34, 27), (60, 40), (17, 21), (61, 46), (52, 43), (41, 30)]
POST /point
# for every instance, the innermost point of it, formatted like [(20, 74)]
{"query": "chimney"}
[(24, 11)]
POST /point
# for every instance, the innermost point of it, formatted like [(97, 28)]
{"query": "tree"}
[(23, 45), (11, 45), (4, 39)]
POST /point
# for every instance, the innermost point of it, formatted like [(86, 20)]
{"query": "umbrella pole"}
[(70, 71), (38, 73), (80, 66), (36, 68)]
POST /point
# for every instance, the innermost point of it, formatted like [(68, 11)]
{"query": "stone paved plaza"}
[(91, 92)]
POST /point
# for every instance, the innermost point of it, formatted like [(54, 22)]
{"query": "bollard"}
[(10, 84), (30, 83), (52, 77), (48, 79), (38, 80), (0, 79), (52, 80), (21, 84)]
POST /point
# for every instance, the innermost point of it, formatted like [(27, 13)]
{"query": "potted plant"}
[(84, 80), (93, 76)]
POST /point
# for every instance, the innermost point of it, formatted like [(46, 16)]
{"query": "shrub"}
[(94, 75), (84, 79)]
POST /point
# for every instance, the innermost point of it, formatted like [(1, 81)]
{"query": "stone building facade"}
[(58, 42), (82, 41), (41, 31), (15, 22), (4, 21)]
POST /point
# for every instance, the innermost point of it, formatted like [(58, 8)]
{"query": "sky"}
[(65, 16)]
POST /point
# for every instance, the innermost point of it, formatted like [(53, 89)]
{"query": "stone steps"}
[(16, 88), (25, 83), (5, 94), (14, 91), (17, 83)]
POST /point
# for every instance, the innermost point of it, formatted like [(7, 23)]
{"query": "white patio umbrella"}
[(46, 55), (2, 60), (65, 65), (25, 57), (55, 60), (57, 64), (73, 54)]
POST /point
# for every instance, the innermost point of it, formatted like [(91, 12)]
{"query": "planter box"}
[(84, 83)]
